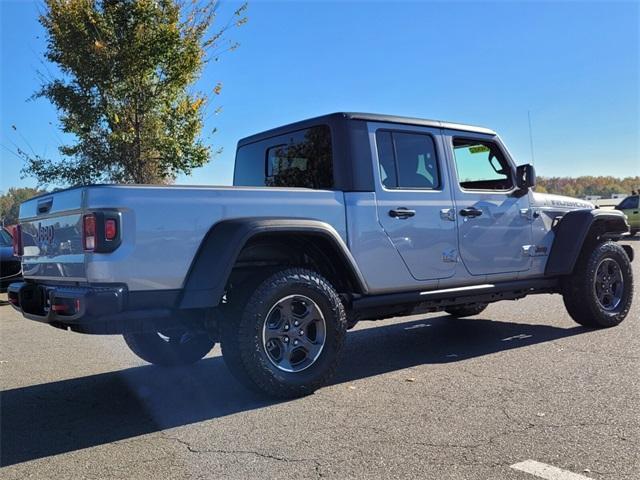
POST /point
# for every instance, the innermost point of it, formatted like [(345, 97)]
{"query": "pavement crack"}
[(223, 451)]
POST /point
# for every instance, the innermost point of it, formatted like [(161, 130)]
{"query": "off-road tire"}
[(243, 348), (171, 348), (466, 310), (579, 290)]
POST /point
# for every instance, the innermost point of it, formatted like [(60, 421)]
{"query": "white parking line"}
[(420, 325), (548, 472)]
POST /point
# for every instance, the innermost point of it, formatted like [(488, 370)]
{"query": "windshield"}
[(5, 238)]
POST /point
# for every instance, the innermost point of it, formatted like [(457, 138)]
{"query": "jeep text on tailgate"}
[(330, 220)]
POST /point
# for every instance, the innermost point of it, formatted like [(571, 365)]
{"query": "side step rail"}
[(431, 300)]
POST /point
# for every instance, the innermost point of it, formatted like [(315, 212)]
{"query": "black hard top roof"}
[(370, 117)]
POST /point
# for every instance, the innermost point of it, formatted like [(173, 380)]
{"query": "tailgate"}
[(52, 236)]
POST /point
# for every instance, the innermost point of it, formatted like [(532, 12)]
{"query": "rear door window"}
[(407, 160)]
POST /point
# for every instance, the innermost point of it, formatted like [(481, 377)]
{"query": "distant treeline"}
[(583, 186)]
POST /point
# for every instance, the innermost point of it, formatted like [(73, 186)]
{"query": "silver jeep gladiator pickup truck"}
[(330, 220)]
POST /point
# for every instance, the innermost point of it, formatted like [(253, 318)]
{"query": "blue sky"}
[(573, 65)]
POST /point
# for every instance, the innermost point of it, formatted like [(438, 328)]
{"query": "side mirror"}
[(525, 176)]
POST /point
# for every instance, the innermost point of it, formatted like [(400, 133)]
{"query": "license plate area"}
[(33, 300), (52, 238)]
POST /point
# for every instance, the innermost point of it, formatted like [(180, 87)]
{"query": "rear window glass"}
[(296, 159)]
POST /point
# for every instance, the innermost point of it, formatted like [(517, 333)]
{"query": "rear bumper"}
[(94, 309)]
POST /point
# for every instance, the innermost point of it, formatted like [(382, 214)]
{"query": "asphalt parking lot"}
[(426, 397)]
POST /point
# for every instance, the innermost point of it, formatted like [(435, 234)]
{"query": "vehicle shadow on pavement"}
[(58, 417)]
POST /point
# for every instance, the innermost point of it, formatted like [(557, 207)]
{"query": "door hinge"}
[(528, 250), (450, 256), (534, 251), (529, 213)]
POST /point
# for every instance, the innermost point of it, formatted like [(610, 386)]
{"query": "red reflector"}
[(16, 241), (110, 229), (89, 232), (13, 300), (57, 307)]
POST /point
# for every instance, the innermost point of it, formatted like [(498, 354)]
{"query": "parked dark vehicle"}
[(10, 269)]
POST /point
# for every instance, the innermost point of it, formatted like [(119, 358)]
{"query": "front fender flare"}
[(211, 267), (571, 234)]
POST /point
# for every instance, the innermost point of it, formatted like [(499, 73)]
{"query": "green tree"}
[(10, 203), (124, 90), (587, 185)]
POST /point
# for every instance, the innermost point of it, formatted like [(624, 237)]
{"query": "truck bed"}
[(162, 228)]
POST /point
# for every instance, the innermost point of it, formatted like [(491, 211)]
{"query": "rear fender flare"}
[(211, 267)]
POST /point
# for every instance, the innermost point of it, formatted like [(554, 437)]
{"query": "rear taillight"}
[(110, 229), (89, 232), (18, 249), (101, 231)]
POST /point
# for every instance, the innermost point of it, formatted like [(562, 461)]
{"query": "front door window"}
[(481, 166)]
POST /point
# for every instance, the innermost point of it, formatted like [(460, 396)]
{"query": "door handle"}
[(470, 212), (401, 213), (44, 205)]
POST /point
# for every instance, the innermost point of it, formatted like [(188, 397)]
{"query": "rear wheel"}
[(599, 292), (284, 336), (466, 310), (169, 348)]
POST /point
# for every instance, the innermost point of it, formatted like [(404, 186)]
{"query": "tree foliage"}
[(124, 92), (10, 203), (580, 187)]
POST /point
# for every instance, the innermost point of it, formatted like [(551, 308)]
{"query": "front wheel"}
[(284, 336), (599, 292), (169, 348)]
